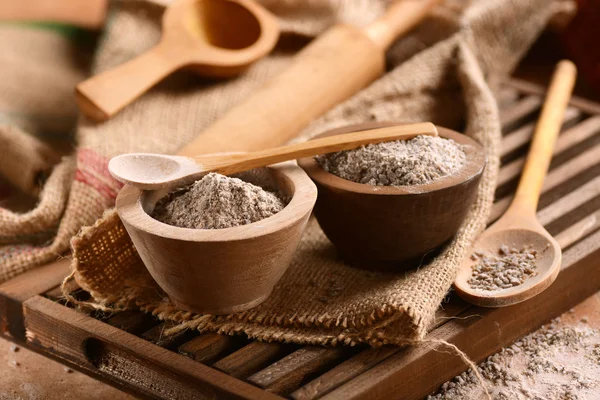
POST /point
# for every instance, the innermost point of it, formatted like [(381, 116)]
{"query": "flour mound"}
[(215, 202), (417, 161)]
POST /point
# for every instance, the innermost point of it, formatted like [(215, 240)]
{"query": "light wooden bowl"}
[(393, 227), (219, 271)]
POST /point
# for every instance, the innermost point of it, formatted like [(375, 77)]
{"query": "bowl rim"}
[(304, 196), (476, 162)]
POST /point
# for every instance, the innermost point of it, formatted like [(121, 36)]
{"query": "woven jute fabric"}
[(39, 67), (38, 73), (26, 159), (436, 73)]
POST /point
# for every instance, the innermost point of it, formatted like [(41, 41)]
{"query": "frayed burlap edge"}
[(14, 227)]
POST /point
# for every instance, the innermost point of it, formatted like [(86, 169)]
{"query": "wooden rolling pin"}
[(328, 71)]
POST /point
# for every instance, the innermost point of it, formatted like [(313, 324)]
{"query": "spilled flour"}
[(557, 362), (417, 161), (215, 202), (510, 268)]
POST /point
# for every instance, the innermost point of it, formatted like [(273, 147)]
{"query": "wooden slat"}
[(566, 140), (519, 111), (588, 106), (207, 347), (521, 136), (157, 336), (570, 201), (506, 96), (577, 134), (252, 358), (150, 370), (289, 372), (132, 321), (343, 373), (15, 291), (416, 372), (555, 178), (575, 232)]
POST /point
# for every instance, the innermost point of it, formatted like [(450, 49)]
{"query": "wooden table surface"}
[(25, 375)]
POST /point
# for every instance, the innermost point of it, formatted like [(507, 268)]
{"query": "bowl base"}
[(230, 309), (404, 265)]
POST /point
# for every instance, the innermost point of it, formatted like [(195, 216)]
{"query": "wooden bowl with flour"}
[(219, 271), (394, 227)]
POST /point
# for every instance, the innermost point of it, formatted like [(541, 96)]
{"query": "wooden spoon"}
[(518, 227), (155, 171), (216, 38)]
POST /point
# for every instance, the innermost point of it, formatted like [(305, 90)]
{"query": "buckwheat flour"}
[(555, 362), (417, 161), (511, 268), (215, 202)]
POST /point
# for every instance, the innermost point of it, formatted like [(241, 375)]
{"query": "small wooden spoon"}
[(217, 38), (156, 171), (519, 227)]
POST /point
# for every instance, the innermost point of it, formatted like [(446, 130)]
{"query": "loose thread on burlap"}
[(460, 318), (79, 303), (463, 356)]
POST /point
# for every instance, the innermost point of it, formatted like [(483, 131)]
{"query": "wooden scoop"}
[(518, 227), (156, 171), (216, 38)]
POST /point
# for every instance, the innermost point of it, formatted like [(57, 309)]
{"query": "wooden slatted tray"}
[(129, 350)]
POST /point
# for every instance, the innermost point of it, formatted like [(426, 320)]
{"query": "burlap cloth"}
[(437, 73), (39, 66)]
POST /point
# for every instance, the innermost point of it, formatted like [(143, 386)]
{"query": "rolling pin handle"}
[(399, 18)]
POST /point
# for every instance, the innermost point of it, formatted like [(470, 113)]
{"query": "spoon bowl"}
[(215, 38), (153, 169), (216, 48), (548, 261)]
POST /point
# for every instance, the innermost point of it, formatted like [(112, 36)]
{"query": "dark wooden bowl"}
[(394, 226)]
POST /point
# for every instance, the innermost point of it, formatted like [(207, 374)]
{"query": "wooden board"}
[(15, 291), (130, 351)]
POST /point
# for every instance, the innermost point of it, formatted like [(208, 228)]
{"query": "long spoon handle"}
[(400, 17), (103, 95), (544, 138), (231, 164)]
